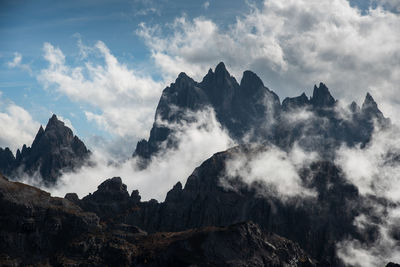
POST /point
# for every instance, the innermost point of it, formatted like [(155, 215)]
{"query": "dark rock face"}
[(293, 103), (7, 160), (33, 225), (110, 199), (39, 230), (251, 110), (54, 150), (322, 98), (240, 108), (317, 224), (242, 244)]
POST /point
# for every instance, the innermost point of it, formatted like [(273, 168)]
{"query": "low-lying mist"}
[(197, 141)]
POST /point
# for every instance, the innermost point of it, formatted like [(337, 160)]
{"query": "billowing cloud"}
[(124, 99), (270, 171), (17, 127), (165, 169), (291, 45), (375, 171), (17, 63)]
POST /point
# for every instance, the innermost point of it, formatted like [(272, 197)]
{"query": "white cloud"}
[(384, 250), (17, 63), (391, 5), (126, 99), (375, 168), (206, 4), (375, 171), (17, 127), (67, 123), (276, 170), (291, 45), (165, 169)]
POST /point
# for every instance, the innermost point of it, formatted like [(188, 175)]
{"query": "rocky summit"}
[(250, 111), (54, 150)]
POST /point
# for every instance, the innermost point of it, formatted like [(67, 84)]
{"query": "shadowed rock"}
[(54, 150), (250, 111), (39, 230)]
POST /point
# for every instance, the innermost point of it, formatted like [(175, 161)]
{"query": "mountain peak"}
[(290, 103), (221, 71), (369, 102), (354, 107), (54, 122), (39, 135), (182, 75), (220, 67), (52, 150), (322, 97), (250, 79)]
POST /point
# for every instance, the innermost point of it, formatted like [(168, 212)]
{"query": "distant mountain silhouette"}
[(251, 110), (54, 150)]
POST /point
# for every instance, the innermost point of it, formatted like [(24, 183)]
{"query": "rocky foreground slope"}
[(40, 230)]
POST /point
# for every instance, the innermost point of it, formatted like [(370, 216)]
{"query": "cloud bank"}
[(270, 171), (124, 98), (196, 141), (291, 45), (17, 126), (375, 171)]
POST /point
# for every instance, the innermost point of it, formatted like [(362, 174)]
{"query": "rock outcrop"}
[(54, 150), (240, 108), (39, 230), (249, 111), (317, 222), (34, 225)]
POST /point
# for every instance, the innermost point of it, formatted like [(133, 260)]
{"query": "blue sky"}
[(139, 34), (26, 25)]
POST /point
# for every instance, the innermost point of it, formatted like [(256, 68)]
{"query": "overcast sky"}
[(101, 65)]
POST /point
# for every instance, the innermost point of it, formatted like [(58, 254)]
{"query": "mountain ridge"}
[(251, 111), (54, 149)]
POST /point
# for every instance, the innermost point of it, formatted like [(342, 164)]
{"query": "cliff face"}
[(316, 223), (249, 111), (34, 225), (240, 108), (55, 149), (37, 229)]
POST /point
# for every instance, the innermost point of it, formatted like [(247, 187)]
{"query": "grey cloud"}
[(165, 169), (291, 45)]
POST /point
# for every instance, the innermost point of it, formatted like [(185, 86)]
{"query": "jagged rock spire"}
[(369, 103), (322, 97), (251, 81), (54, 149)]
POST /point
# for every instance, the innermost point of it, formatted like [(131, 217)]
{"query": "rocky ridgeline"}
[(252, 112), (54, 150), (40, 230), (317, 224)]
